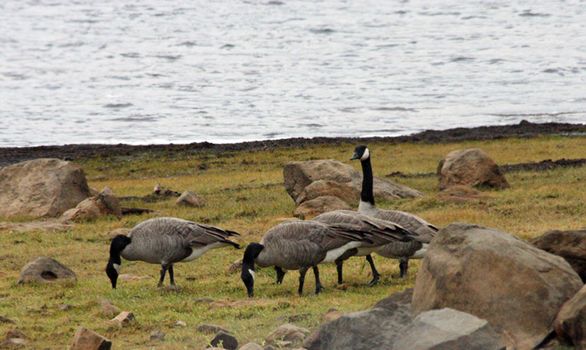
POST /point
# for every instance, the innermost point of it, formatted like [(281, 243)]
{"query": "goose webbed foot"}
[(374, 281), (318, 286), (375, 274)]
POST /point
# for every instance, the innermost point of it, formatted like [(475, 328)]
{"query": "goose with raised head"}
[(299, 245), (395, 235), (165, 241), (412, 223)]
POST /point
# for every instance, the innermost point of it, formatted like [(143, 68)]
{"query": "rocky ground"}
[(245, 191)]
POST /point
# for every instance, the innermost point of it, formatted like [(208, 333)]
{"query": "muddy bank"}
[(73, 152)]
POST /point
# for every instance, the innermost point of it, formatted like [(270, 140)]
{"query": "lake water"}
[(161, 71)]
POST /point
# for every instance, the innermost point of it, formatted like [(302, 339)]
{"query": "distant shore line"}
[(10, 155)]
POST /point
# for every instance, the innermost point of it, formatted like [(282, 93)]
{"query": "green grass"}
[(244, 192)]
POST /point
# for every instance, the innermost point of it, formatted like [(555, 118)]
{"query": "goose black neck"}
[(116, 247), (367, 194), (250, 254)]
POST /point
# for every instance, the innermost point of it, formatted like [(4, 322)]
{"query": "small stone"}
[(190, 199), (180, 323), (251, 346), (225, 340), (123, 319), (65, 307), (211, 328), (332, 315), (15, 334), (6, 320), (46, 270), (157, 335), (108, 309), (235, 267), (287, 333), (86, 339)]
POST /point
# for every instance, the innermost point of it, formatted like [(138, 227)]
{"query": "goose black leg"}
[(375, 274), (340, 262), (318, 287), (163, 272), (302, 273), (171, 275), (280, 274), (339, 266), (403, 267)]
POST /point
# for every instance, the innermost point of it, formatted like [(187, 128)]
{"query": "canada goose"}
[(165, 241), (412, 223), (398, 239), (299, 245)]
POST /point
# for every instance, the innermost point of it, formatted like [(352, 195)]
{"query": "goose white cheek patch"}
[(116, 267), (365, 155), (252, 273)]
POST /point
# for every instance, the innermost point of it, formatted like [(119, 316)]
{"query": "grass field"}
[(245, 193)]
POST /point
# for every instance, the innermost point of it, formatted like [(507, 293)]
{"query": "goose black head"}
[(247, 275), (361, 152), (112, 272), (116, 247)]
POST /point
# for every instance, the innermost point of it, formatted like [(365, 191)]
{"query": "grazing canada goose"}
[(398, 237), (412, 223), (165, 241), (299, 245)]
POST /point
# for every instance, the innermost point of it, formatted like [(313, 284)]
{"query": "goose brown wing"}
[(412, 223), (379, 231)]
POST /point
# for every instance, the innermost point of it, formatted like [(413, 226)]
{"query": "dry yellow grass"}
[(244, 192)]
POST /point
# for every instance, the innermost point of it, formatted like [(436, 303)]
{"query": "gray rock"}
[(299, 175), (320, 205), (493, 275), (251, 346), (225, 340), (123, 319), (190, 199), (108, 309), (570, 323), (157, 335), (448, 329), (105, 203), (570, 245), (365, 330), (41, 188), (86, 339), (287, 334), (207, 328), (46, 270), (470, 167)]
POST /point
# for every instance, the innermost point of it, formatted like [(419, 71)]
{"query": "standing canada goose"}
[(299, 245), (412, 223), (165, 241), (398, 238)]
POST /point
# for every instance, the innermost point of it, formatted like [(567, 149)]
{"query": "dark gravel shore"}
[(11, 155)]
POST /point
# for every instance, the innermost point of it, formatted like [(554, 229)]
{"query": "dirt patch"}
[(74, 152)]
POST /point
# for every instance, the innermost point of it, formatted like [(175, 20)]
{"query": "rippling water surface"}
[(159, 71)]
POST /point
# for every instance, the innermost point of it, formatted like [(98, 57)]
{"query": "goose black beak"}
[(355, 156)]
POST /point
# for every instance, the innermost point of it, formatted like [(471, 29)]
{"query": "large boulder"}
[(105, 203), (516, 287), (570, 245), (46, 270), (448, 329), (376, 328), (470, 167), (41, 187), (305, 181), (391, 325), (320, 205), (570, 323)]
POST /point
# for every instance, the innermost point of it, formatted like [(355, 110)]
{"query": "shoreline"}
[(11, 155)]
